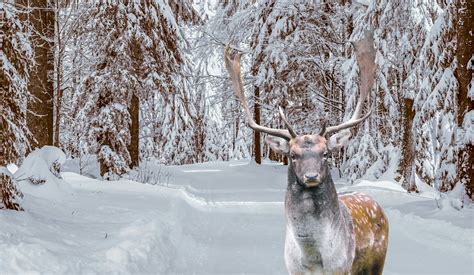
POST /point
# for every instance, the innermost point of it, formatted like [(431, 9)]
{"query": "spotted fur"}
[(370, 227)]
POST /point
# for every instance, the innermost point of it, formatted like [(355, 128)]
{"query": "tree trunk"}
[(59, 92), (465, 26), (133, 147), (405, 168), (40, 110), (256, 135), (103, 167)]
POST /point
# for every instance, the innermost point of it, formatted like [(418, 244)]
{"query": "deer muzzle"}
[(312, 179)]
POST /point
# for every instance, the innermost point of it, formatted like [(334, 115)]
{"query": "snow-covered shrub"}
[(39, 174), (41, 165), (150, 173)]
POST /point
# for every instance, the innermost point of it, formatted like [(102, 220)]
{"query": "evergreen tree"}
[(135, 56), (435, 104), (15, 61), (296, 62)]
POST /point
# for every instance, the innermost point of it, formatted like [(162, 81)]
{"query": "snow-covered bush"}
[(39, 174), (150, 173), (41, 165)]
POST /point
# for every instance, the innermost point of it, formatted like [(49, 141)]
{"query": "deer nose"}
[(311, 177)]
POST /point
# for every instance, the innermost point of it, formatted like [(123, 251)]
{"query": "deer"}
[(326, 232)]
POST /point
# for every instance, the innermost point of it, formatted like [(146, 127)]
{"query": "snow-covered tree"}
[(129, 36), (387, 140), (225, 135), (15, 61), (443, 121), (464, 73), (127, 61)]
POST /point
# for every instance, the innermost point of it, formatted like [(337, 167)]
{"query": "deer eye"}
[(325, 155), (293, 156)]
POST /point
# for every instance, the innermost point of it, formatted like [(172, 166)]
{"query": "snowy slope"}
[(212, 218)]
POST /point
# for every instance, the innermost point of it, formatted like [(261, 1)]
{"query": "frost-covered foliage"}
[(415, 99), (131, 48), (292, 59), (399, 29), (297, 59), (225, 135), (15, 64), (436, 105)]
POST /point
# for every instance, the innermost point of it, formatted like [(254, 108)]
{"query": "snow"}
[(38, 168), (212, 218)]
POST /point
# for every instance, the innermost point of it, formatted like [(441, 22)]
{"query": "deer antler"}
[(232, 62), (365, 53)]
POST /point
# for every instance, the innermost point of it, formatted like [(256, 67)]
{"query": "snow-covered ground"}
[(212, 218)]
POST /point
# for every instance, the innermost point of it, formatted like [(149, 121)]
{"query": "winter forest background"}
[(131, 81)]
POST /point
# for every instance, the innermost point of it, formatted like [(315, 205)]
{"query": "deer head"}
[(308, 153)]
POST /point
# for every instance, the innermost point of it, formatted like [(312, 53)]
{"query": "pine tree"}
[(15, 62), (296, 62), (225, 135), (136, 48), (436, 105), (387, 137)]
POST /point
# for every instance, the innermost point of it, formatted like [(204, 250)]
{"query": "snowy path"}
[(213, 218)]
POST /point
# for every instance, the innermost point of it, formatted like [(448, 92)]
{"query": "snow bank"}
[(146, 246), (39, 174)]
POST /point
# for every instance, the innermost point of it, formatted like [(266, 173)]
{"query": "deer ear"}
[(339, 139), (278, 145)]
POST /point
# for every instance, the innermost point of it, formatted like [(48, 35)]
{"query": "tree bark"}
[(103, 167), (408, 147), (465, 27), (40, 111), (257, 152), (59, 92), (133, 147)]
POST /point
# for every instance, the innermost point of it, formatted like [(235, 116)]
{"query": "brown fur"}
[(371, 233)]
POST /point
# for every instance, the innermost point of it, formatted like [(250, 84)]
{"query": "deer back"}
[(370, 227)]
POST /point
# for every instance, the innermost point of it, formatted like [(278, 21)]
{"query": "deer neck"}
[(320, 202), (318, 227)]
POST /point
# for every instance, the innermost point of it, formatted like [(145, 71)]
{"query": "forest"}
[(137, 89)]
